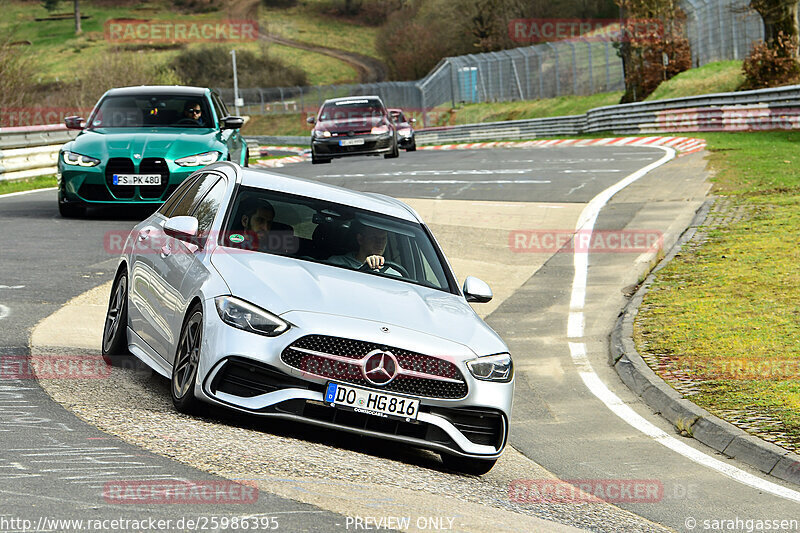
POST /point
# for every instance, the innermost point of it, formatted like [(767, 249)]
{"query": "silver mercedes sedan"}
[(289, 298)]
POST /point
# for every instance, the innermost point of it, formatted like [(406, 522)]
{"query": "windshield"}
[(152, 111), (341, 236), (352, 109)]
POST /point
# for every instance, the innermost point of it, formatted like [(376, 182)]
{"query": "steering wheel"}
[(187, 120), (386, 266)]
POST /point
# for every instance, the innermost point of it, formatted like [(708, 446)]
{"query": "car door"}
[(192, 260), (232, 138), (156, 275), (144, 288)]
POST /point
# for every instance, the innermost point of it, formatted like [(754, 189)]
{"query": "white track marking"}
[(20, 193), (459, 182), (4, 311), (575, 329)]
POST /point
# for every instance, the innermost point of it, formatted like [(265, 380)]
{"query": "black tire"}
[(247, 157), (184, 367), (71, 210), (412, 147), (115, 334), (467, 465), (394, 153)]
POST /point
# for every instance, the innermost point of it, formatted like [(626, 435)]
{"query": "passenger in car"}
[(260, 232), (371, 246)]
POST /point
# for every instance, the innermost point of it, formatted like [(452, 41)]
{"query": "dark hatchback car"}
[(405, 131), (140, 143), (352, 126)]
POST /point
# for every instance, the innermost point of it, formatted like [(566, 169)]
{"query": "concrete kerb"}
[(689, 419)]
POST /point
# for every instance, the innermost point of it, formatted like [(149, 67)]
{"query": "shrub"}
[(210, 66), (772, 65)]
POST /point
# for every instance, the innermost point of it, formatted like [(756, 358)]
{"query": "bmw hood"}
[(139, 143), (296, 288)]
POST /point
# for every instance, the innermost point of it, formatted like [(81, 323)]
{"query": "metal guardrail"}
[(777, 108), (32, 151)]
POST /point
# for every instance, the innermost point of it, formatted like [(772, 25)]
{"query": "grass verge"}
[(723, 318), (41, 182)]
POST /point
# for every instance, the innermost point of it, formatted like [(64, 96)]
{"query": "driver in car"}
[(193, 113), (371, 245)]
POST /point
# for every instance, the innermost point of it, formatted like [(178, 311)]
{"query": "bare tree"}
[(779, 17)]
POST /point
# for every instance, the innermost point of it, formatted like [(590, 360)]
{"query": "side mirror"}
[(74, 123), (182, 228), (232, 123), (476, 290), (311, 120), (412, 121)]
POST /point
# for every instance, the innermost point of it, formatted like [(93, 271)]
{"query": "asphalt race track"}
[(566, 423)]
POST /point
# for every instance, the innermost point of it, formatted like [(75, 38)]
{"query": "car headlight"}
[(78, 160), (246, 316), (322, 133), (492, 368), (405, 132), (198, 160), (380, 130)]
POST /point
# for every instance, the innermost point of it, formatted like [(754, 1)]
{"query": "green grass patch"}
[(287, 124), (28, 184), (311, 22), (546, 107), (59, 55), (718, 77), (726, 313)]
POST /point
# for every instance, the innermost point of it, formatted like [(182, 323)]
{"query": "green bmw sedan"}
[(140, 143)]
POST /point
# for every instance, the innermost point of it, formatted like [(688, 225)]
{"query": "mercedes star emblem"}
[(380, 367)]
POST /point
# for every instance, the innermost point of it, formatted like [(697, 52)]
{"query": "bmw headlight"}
[(246, 316), (492, 368), (404, 132), (78, 160), (320, 134), (198, 160), (380, 130)]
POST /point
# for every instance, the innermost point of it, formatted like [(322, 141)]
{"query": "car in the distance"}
[(140, 143), (355, 125), (405, 129), (244, 289)]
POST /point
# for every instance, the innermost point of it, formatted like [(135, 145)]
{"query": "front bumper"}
[(94, 185), (331, 147), (246, 372), (406, 141)]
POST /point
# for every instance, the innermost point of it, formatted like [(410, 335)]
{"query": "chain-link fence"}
[(721, 29), (716, 29)]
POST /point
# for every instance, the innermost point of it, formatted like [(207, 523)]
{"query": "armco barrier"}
[(32, 150), (765, 109)]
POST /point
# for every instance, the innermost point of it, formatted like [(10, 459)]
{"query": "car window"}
[(194, 194), (207, 209), (352, 109), (173, 199), (219, 106), (141, 111), (311, 229)]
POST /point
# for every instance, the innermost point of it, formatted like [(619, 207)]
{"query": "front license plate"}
[(137, 179), (351, 142), (371, 402)]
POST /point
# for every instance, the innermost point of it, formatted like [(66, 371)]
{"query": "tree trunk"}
[(77, 18)]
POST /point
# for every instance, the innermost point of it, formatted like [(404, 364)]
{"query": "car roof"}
[(378, 203), (144, 90), (354, 98)]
